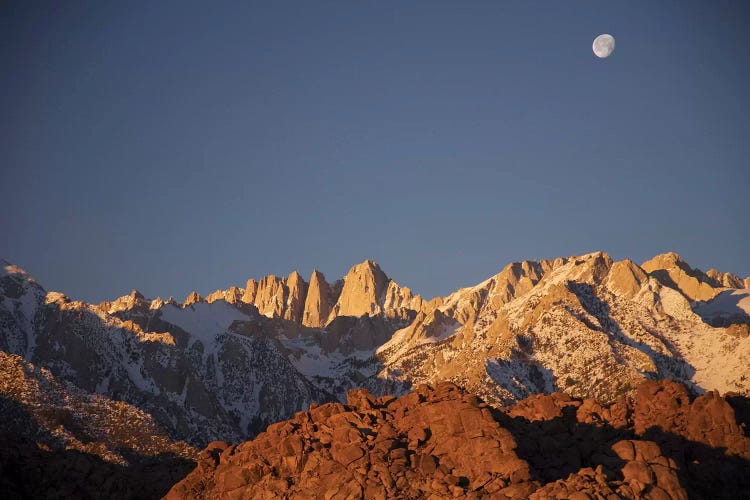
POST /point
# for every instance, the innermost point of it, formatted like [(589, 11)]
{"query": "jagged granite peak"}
[(665, 260), (590, 268), (271, 296), (363, 291), (130, 301), (514, 279), (727, 280), (398, 298), (297, 289), (233, 295), (192, 298), (251, 289), (517, 278), (626, 278), (672, 271), (318, 301), (315, 304), (552, 264)]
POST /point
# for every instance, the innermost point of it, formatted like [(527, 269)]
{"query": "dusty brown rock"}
[(442, 442), (660, 404)]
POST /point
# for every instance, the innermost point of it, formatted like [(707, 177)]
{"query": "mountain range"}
[(136, 379)]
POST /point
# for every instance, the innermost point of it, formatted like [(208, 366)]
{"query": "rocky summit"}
[(139, 384), (444, 442)]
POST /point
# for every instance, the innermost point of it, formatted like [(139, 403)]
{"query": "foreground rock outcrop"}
[(443, 442)]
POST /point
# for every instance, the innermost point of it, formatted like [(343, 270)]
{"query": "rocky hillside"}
[(58, 441), (444, 442), (585, 325)]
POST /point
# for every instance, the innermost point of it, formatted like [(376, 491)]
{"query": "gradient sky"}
[(172, 146)]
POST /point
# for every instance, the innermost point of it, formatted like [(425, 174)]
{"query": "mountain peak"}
[(366, 264), (294, 276), (673, 272), (8, 268), (193, 298), (363, 291), (296, 291), (317, 302), (727, 280), (663, 261), (626, 278)]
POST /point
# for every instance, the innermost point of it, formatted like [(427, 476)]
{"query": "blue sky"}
[(172, 146)]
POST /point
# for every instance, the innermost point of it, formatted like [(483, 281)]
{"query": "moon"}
[(604, 45)]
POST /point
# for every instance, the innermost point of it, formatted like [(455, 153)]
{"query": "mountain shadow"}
[(724, 310), (519, 373), (35, 464), (673, 365), (561, 446)]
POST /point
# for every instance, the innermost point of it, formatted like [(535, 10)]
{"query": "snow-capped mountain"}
[(202, 370), (225, 366), (585, 325)]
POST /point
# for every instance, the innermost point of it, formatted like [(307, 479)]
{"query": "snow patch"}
[(445, 331), (727, 304), (204, 321), (310, 360)]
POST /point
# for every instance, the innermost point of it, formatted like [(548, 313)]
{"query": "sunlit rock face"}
[(318, 301), (670, 270)]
